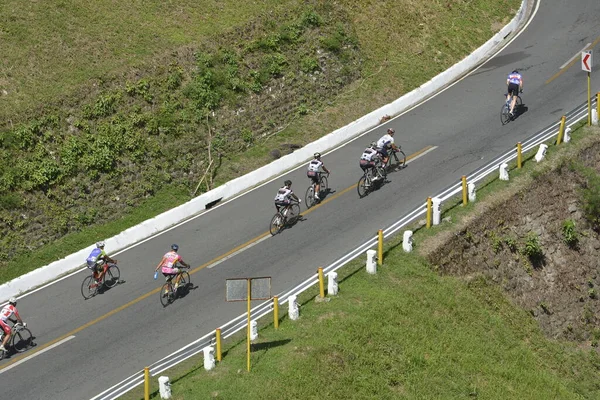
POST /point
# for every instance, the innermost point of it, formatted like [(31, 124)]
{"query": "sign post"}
[(586, 65), (248, 289)]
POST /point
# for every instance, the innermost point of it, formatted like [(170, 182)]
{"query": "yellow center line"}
[(156, 290), (569, 65)]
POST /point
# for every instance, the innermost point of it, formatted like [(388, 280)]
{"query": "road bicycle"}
[(21, 339), (323, 189), (110, 278), (372, 179), (285, 217), (505, 116), (396, 160), (168, 291)]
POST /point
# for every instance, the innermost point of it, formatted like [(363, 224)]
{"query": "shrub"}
[(532, 247), (311, 19), (309, 64), (570, 235), (511, 243), (591, 200)]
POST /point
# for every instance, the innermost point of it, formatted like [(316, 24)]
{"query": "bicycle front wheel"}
[(310, 197), (184, 281), (112, 275), (363, 190), (400, 158), (324, 185), (22, 340), (166, 294), (505, 115), (293, 213), (88, 287), (276, 224)]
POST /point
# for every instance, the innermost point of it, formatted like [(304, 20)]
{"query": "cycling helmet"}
[(317, 155), (515, 72), (390, 131), (12, 301), (287, 183), (100, 244), (174, 247)]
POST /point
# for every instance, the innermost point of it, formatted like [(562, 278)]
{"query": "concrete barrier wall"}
[(236, 186)]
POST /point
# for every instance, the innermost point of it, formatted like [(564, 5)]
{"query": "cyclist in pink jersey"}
[(169, 265), (7, 311)]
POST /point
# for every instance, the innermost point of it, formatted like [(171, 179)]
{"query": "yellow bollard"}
[(429, 212), (276, 311), (321, 283), (598, 107), (380, 247), (519, 155), (218, 339), (146, 383), (561, 130), (464, 187)]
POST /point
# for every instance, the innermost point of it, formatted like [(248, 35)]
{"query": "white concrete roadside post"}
[(332, 284), (567, 137), (504, 172), (437, 213), (209, 357), (594, 116), (371, 262), (253, 330), (293, 310), (407, 242), (164, 387), (472, 193), (541, 152)]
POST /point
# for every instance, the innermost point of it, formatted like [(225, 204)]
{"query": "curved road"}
[(99, 342)]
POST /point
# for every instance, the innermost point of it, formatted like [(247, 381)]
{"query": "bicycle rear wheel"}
[(505, 115), (276, 224), (112, 275), (310, 196), (89, 288), (362, 187), (324, 188), (293, 213), (22, 340), (166, 294)]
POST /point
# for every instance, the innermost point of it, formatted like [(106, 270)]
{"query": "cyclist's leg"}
[(317, 185)]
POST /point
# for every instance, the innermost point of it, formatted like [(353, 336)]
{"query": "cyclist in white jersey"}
[(5, 316), (314, 173), (385, 143), (284, 196), (367, 159), (514, 81)]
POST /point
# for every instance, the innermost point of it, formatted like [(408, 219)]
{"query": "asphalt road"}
[(108, 338)]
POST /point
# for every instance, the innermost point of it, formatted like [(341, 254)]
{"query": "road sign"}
[(586, 60)]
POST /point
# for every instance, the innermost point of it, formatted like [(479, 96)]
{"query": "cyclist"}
[(97, 259), (169, 266), (514, 81), (385, 143), (367, 160), (284, 195), (314, 173), (5, 314)]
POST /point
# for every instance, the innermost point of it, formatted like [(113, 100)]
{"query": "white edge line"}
[(3, 370), (575, 56)]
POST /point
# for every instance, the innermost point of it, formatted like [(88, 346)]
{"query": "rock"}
[(572, 208), (275, 153)]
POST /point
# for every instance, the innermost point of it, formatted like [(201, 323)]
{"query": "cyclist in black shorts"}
[(514, 80)]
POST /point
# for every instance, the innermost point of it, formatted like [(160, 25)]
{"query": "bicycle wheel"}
[(112, 275), (293, 213), (324, 185), (505, 115), (89, 288), (2, 353), (400, 158), (362, 187), (184, 281), (276, 224), (310, 196), (166, 294), (22, 340)]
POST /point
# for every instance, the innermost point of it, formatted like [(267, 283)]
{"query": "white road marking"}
[(36, 354)]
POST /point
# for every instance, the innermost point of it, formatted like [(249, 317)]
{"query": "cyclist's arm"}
[(295, 197), (160, 264), (106, 258), (325, 169), (18, 317)]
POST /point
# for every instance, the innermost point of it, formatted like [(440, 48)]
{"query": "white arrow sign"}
[(586, 60)]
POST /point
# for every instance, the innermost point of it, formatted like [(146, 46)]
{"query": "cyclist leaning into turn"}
[(385, 143), (314, 173), (367, 159), (284, 195), (7, 311), (169, 265), (514, 81), (97, 259)]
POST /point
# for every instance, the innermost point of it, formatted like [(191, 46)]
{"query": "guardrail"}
[(239, 323)]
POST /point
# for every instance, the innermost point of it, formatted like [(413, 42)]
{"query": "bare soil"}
[(561, 287)]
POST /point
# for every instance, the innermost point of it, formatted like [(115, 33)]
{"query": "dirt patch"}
[(518, 241)]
